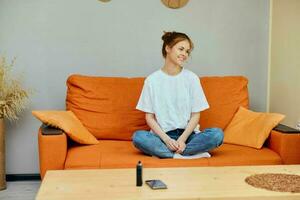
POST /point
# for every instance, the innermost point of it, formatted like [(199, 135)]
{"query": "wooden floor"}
[(20, 190)]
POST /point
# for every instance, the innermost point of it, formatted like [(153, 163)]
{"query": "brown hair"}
[(172, 38)]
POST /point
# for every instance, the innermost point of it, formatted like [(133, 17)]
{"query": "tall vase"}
[(2, 156)]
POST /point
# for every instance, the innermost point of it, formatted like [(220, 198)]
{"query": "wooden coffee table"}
[(183, 183)]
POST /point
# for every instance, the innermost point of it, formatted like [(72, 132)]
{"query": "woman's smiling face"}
[(179, 53)]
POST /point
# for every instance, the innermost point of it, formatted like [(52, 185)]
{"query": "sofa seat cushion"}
[(230, 155), (122, 154), (119, 154), (128, 156), (83, 157)]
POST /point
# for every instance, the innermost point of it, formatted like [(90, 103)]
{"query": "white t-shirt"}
[(172, 98)]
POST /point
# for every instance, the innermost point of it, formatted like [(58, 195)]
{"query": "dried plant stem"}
[(13, 98)]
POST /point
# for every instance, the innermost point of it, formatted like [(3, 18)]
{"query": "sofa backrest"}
[(106, 105), (224, 95)]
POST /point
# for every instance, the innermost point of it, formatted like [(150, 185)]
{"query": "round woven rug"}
[(275, 182)]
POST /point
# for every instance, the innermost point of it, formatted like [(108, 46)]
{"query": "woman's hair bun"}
[(167, 35)]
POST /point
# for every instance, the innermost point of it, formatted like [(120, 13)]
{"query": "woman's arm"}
[(151, 121), (194, 120)]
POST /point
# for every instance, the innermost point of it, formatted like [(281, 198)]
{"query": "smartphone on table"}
[(156, 184)]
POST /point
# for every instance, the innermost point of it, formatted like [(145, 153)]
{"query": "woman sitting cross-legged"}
[(172, 98)]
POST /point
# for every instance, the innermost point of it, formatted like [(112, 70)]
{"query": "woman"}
[(172, 98)]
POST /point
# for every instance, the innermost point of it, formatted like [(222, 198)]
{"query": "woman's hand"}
[(181, 146), (151, 121), (172, 144)]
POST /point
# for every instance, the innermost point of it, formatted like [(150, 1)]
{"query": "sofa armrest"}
[(286, 144), (50, 130), (52, 151)]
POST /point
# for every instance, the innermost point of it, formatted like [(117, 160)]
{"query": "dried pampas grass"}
[(13, 98)]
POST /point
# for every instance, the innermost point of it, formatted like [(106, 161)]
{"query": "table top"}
[(183, 183)]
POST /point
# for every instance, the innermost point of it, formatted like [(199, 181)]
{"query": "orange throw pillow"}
[(68, 122), (250, 128)]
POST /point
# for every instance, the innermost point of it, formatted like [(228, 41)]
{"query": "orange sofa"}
[(106, 107)]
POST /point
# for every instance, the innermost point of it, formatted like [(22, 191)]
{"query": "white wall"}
[(53, 39), (285, 60)]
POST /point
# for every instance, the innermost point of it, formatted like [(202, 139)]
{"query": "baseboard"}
[(23, 177)]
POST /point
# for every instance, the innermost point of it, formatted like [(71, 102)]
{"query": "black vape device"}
[(139, 174)]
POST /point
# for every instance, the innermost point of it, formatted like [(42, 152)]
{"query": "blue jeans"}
[(151, 144)]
